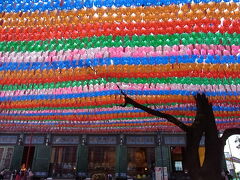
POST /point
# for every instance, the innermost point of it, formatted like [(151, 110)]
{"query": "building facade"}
[(67, 156)]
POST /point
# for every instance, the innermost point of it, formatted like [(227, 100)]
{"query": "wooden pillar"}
[(17, 158), (162, 154), (121, 161), (41, 160), (82, 161), (163, 157)]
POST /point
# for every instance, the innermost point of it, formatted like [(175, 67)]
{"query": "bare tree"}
[(204, 124)]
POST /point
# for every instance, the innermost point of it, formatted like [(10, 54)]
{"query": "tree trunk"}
[(212, 166), (192, 161)]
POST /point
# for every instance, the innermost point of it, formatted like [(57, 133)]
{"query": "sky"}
[(231, 147)]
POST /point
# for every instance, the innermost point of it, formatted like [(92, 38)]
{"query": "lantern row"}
[(113, 100), (113, 110), (141, 83), (126, 41), (100, 90), (137, 14), (122, 29), (111, 122), (161, 60), (103, 18), (143, 127), (105, 116), (120, 52), (30, 5), (121, 71), (113, 92)]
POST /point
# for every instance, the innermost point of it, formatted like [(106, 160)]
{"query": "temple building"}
[(115, 155)]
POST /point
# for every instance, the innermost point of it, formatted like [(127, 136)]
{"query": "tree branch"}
[(168, 117), (228, 132)]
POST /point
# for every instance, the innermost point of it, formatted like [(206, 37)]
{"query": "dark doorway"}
[(28, 154), (177, 153)]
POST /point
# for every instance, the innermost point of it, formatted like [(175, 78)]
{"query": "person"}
[(223, 174), (13, 175), (23, 175), (29, 174), (18, 177), (2, 174), (153, 171), (229, 176), (109, 177), (23, 172), (23, 167)]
